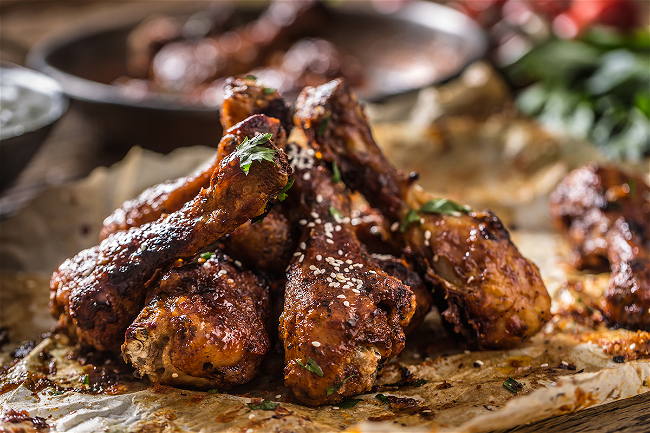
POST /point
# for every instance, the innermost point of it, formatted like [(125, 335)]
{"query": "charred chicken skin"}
[(486, 290), (244, 98), (343, 316), (99, 292), (604, 213), (203, 326)]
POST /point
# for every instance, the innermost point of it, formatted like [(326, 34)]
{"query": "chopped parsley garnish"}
[(336, 173), (268, 90), (85, 379), (249, 151), (213, 391), (420, 382), (332, 389), (56, 392), (632, 184), (351, 402), (444, 206), (322, 126), (206, 256), (311, 366), (251, 77), (265, 405), (410, 217), (512, 385), (382, 397), (282, 195), (335, 212)]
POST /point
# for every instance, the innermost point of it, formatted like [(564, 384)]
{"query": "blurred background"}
[(491, 100)]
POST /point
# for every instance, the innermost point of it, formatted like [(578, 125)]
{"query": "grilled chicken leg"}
[(486, 290), (343, 316), (604, 213), (203, 326), (100, 291)]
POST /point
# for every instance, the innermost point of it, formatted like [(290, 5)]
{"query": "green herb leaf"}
[(265, 405), (322, 126), (85, 379), (444, 206), (336, 173), (335, 212), (311, 366), (410, 217), (282, 195), (420, 382), (332, 389), (512, 385), (207, 255), (632, 184), (213, 391), (259, 219), (351, 402), (382, 397), (249, 151), (251, 77), (268, 90), (56, 392)]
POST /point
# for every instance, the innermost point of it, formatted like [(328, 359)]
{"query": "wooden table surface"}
[(71, 152)]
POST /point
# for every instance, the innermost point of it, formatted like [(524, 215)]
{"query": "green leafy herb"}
[(251, 150), (335, 212), (265, 405), (332, 389), (85, 379), (213, 391), (512, 385), (251, 77), (311, 366), (351, 402), (444, 206), (410, 217), (56, 392), (382, 397), (207, 255), (322, 126), (268, 90), (420, 382), (282, 195), (259, 219), (336, 173)]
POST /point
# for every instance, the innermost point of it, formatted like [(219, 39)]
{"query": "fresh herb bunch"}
[(252, 150), (596, 88)]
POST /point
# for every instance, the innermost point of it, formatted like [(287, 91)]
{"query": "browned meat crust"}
[(342, 313), (604, 213), (487, 291), (203, 326), (170, 196), (99, 292)]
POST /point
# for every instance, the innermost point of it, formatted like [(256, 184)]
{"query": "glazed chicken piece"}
[(98, 293), (203, 326), (604, 213), (243, 94), (343, 316), (486, 290)]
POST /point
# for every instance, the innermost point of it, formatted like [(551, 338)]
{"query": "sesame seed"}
[(632, 346), (301, 259), (341, 296), (340, 252), (278, 396), (303, 245), (306, 176), (436, 257), (318, 221), (427, 234), (394, 226), (337, 228), (565, 363), (297, 253), (544, 365), (251, 416), (174, 375), (230, 280), (238, 263), (372, 272), (478, 363), (319, 198), (302, 222), (467, 352), (329, 280), (221, 272), (314, 215), (346, 303), (335, 407), (315, 343), (421, 221), (427, 243), (310, 225), (356, 291), (329, 241), (319, 257), (312, 267), (470, 279), (348, 261)]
